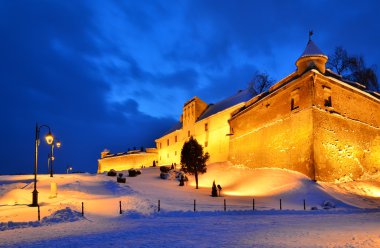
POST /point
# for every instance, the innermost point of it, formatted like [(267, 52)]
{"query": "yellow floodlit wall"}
[(269, 133), (316, 125), (127, 161), (347, 134)]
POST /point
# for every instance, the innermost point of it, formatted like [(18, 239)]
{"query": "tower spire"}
[(310, 34)]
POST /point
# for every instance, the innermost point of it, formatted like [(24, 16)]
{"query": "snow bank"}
[(60, 216)]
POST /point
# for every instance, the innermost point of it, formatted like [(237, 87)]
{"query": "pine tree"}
[(193, 160)]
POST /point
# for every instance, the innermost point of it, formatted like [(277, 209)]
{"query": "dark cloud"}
[(97, 70), (47, 76)]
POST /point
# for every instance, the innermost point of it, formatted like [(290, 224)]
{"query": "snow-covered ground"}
[(346, 214)]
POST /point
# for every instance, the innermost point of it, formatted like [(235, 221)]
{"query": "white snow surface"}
[(346, 214)]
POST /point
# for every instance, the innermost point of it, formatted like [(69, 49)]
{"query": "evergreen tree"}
[(193, 160)]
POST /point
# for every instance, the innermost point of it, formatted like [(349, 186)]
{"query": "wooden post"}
[(304, 204), (194, 205), (158, 205), (82, 209), (39, 213), (225, 206), (120, 207), (280, 204), (253, 204)]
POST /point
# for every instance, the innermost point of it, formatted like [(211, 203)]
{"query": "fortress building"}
[(312, 121)]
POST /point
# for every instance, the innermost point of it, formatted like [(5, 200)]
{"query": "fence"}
[(194, 205)]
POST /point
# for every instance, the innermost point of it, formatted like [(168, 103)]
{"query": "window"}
[(327, 96), (188, 133), (160, 145), (167, 142), (328, 102), (206, 143), (206, 127), (175, 138), (294, 99), (175, 153)]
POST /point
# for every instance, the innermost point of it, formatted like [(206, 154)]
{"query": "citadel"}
[(312, 121)]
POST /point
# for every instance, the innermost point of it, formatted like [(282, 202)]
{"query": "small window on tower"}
[(175, 153), (206, 127), (167, 142), (327, 96), (188, 133), (206, 143), (175, 138)]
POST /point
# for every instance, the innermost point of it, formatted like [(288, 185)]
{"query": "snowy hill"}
[(140, 195)]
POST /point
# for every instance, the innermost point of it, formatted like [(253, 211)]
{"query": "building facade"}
[(207, 123)]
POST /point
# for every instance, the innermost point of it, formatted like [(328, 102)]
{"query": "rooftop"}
[(312, 50), (241, 96)]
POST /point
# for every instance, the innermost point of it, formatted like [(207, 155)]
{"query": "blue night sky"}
[(115, 74)]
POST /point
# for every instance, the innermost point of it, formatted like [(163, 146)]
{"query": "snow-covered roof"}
[(241, 96), (312, 50), (177, 126)]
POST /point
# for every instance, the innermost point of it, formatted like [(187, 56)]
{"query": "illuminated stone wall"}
[(347, 134), (268, 133), (127, 161), (332, 131)]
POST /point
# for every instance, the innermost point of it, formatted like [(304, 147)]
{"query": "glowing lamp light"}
[(58, 144), (49, 138)]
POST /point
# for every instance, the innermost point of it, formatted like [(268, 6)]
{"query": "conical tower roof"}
[(312, 50)]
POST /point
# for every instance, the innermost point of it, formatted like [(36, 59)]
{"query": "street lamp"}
[(51, 155), (49, 139), (68, 168)]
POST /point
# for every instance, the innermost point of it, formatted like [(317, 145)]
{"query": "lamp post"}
[(49, 139), (68, 168), (51, 155)]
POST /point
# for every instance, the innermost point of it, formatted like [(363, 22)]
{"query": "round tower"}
[(311, 58)]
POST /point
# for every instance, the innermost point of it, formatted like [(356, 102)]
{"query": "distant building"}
[(312, 121), (126, 160)]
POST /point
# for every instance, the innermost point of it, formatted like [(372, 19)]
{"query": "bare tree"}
[(362, 74), (260, 82), (353, 68), (339, 61)]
